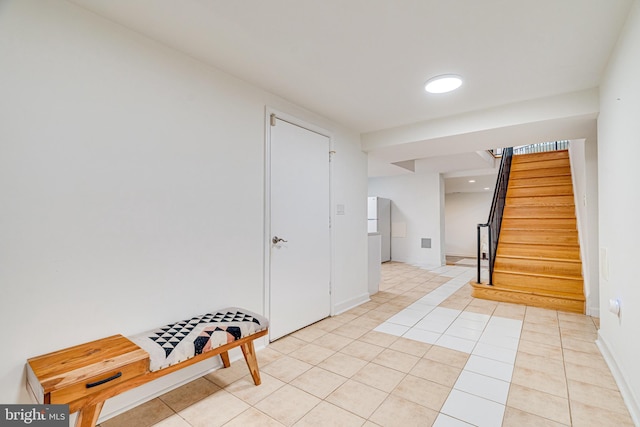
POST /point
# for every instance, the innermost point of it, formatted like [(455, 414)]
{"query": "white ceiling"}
[(363, 63)]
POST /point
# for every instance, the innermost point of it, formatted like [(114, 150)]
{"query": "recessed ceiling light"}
[(442, 84), (472, 180), (487, 188)]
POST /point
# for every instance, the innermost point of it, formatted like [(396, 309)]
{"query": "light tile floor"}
[(422, 352)]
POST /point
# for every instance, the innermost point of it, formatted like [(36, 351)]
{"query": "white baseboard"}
[(627, 394), (349, 304)]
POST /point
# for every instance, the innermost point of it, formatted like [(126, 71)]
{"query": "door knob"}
[(277, 240)]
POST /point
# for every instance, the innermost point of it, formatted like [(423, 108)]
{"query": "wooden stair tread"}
[(536, 157), (575, 297), (546, 276), (549, 259)]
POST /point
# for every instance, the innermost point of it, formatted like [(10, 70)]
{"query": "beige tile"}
[(311, 353), (343, 364), (544, 350), (309, 334), (333, 341), (189, 394), (288, 404), (516, 418), (246, 390), (379, 339), (595, 361), (345, 317), (286, 368), (437, 372), (253, 417), (447, 356), (455, 304), (577, 326), (362, 350), (359, 311), (358, 398), (319, 382), (329, 324), (225, 376), (479, 309), (414, 348), (540, 363), (144, 415), (575, 317), (287, 344), (396, 360), (584, 415), (541, 313), (510, 311), (351, 331), (173, 421), (364, 322), (267, 355), (541, 338), (579, 335), (580, 345), (586, 374), (542, 328), (214, 410), (380, 377), (538, 403), (377, 316), (423, 392), (599, 397), (399, 412), (326, 414), (541, 381)]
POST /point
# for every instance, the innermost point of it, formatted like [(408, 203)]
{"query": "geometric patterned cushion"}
[(179, 341)]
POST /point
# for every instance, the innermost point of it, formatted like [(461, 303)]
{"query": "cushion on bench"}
[(183, 340)]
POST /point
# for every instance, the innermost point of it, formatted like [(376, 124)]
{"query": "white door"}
[(299, 271)]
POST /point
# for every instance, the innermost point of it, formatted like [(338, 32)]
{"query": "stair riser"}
[(540, 173), (534, 266), (549, 190), (541, 201), (562, 238), (539, 157), (539, 223), (545, 164), (550, 285), (551, 303), (539, 182), (539, 212), (542, 251)]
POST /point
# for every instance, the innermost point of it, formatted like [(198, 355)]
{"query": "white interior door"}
[(299, 273)]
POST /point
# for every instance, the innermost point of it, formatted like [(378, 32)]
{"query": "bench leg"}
[(88, 416), (225, 359), (249, 353)]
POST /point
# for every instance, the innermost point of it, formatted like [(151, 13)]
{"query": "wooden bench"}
[(86, 375)]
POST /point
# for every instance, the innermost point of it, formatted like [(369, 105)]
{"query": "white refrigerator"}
[(379, 215)]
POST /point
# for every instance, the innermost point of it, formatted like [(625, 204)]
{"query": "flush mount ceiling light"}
[(443, 84), (472, 181)]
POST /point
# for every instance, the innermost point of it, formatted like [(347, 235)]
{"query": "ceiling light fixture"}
[(442, 84), (472, 181)]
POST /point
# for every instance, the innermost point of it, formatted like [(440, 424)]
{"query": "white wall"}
[(619, 210), (463, 213), (415, 207), (584, 173), (132, 187)]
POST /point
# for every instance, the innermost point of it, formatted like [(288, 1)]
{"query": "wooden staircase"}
[(538, 257)]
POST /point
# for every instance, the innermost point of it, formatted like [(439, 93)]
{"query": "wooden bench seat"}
[(86, 375)]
